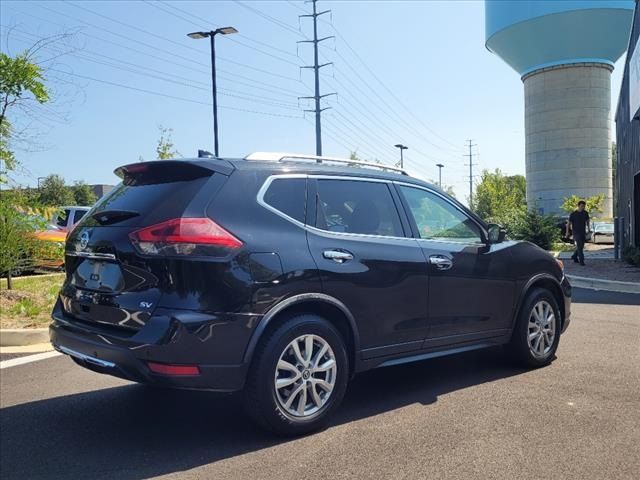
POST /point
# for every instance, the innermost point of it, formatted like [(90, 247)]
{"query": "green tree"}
[(497, 195), (530, 225), (16, 239), (593, 204), (25, 84), (21, 80), (165, 148), (83, 194), (54, 191)]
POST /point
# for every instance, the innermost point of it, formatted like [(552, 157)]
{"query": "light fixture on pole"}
[(439, 165), (401, 147), (212, 34)]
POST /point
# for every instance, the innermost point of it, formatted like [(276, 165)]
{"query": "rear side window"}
[(288, 195), (360, 207)]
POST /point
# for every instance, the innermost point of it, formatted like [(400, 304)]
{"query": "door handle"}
[(338, 256), (441, 262)]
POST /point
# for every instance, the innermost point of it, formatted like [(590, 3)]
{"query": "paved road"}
[(469, 416)]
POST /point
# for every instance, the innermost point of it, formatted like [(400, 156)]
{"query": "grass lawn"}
[(29, 303), (562, 247)]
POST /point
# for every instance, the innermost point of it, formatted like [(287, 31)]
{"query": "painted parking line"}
[(14, 362)]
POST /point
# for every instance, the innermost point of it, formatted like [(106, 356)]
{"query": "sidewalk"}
[(601, 271)]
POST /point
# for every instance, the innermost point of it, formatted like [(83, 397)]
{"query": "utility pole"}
[(316, 67), (471, 164), (439, 165)]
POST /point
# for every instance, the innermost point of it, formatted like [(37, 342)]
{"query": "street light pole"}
[(402, 148), (214, 91), (439, 165)]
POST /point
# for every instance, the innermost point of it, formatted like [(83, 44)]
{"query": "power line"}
[(386, 130), (145, 73), (160, 94), (271, 19), (389, 91), (159, 5), (223, 74), (165, 39)]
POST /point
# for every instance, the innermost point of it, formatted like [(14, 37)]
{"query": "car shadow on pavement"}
[(136, 432)]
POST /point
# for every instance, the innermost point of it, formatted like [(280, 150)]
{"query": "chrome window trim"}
[(91, 255), (443, 197), (313, 229), (265, 187)]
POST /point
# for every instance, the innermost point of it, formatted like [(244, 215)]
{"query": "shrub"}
[(530, 225), (16, 240), (631, 255)]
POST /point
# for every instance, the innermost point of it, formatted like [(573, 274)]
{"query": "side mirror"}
[(496, 233)]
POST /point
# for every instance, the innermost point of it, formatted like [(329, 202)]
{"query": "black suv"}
[(284, 275)]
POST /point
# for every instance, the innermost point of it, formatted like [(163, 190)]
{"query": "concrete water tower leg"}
[(568, 134)]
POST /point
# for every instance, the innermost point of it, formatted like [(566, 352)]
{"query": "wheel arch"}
[(330, 308), (547, 282)]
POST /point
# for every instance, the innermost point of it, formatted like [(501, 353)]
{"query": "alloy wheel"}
[(305, 376), (542, 329)]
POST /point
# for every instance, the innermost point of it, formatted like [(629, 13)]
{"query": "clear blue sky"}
[(412, 72)]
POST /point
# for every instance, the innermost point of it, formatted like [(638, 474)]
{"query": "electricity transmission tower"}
[(316, 67), (471, 165)]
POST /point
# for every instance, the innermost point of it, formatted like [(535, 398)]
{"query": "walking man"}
[(578, 224)]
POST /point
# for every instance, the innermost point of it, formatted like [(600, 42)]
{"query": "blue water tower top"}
[(533, 34)]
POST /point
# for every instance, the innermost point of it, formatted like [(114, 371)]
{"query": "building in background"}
[(101, 190), (628, 140), (564, 52)]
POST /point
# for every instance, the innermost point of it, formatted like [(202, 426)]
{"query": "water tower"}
[(564, 52)]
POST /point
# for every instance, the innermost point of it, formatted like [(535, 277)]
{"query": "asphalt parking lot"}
[(468, 416)]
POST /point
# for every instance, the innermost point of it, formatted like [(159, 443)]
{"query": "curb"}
[(600, 284), (16, 337)]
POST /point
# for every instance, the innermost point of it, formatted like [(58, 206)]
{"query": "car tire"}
[(536, 334), (289, 390)]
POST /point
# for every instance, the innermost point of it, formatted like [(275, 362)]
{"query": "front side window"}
[(361, 207), (437, 219), (288, 195)]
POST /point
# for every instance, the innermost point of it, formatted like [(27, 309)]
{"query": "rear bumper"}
[(126, 356)]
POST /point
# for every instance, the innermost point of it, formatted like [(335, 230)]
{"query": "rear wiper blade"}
[(109, 217)]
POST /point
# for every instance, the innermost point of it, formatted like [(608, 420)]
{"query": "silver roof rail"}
[(282, 156)]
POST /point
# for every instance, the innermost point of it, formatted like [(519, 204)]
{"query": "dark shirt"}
[(579, 222)]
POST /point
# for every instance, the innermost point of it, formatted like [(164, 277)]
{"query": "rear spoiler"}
[(161, 171)]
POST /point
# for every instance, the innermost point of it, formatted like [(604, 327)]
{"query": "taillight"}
[(183, 236)]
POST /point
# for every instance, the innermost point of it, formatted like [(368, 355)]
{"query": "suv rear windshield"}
[(149, 193)]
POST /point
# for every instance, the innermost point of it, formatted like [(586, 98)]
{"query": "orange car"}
[(49, 253)]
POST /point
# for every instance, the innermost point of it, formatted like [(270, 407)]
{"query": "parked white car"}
[(69, 216)]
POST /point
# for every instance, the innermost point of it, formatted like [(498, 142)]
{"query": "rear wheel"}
[(298, 376), (537, 331)]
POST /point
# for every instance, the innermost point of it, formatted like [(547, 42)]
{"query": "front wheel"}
[(537, 331), (298, 376)]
